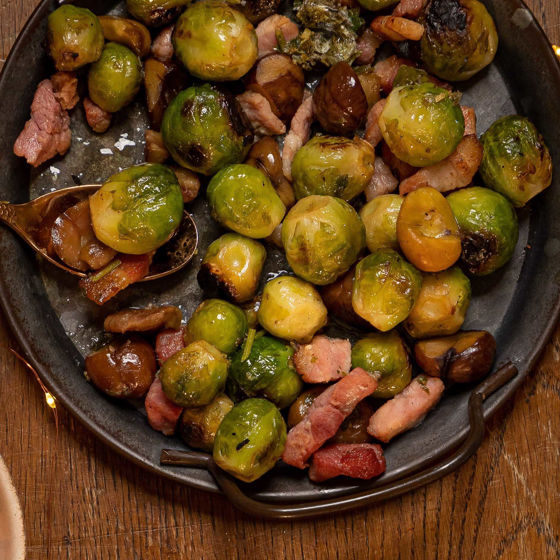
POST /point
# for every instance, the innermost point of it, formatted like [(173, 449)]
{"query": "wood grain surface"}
[(81, 501)]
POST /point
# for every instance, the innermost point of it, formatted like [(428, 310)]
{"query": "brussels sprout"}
[(218, 322), (459, 40), (115, 79), (386, 355), (74, 36), (516, 161), (203, 130), (422, 123), (385, 289), (375, 5), (322, 237), (155, 13), (409, 76), (266, 372), (215, 42), (292, 309), (380, 220), (195, 375), (243, 199), (233, 264), (441, 306), (333, 165), (250, 439), (489, 228), (198, 426), (138, 209)]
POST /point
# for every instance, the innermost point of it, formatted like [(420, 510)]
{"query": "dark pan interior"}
[(56, 326)]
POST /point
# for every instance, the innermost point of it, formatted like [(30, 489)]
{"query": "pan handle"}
[(335, 505)]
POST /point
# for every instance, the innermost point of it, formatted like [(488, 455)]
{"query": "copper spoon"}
[(28, 218)]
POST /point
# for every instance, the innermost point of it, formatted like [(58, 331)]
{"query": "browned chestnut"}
[(339, 101), (123, 369), (154, 150), (464, 357), (189, 182), (281, 81), (301, 405), (354, 428)]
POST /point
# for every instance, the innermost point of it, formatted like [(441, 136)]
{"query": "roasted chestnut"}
[(339, 101), (189, 182), (127, 32), (154, 150), (354, 428), (301, 405)]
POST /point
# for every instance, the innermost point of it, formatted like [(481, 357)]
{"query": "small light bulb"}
[(50, 400), (556, 50)]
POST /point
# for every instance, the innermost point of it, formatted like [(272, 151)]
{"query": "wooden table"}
[(81, 501)]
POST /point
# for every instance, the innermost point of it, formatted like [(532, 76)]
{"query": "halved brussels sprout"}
[(218, 322), (156, 13), (322, 237), (291, 309), (380, 220), (516, 161), (197, 427), (266, 372), (137, 210), (422, 123), (333, 165), (250, 439), (385, 354), (115, 79), (203, 130), (243, 199), (441, 305), (195, 375), (489, 228), (385, 289), (375, 5), (460, 38), (74, 36), (214, 41), (233, 264)]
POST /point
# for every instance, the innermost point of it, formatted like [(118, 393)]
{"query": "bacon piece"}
[(400, 169), (381, 182), (266, 33), (143, 320), (47, 132), (325, 416), (387, 71), (356, 460), (300, 128), (368, 43), (168, 343), (65, 89), (324, 359), (103, 285), (162, 47), (410, 8), (395, 28), (98, 119), (373, 132), (407, 409), (163, 414), (470, 120), (454, 172), (260, 115)]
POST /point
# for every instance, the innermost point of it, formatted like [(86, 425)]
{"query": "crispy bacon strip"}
[(168, 343), (410, 8), (373, 132), (381, 182), (300, 128), (387, 71)]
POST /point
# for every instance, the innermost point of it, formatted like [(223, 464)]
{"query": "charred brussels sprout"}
[(516, 161), (375, 5), (198, 426), (250, 439), (74, 36), (138, 209), (385, 289), (156, 13), (422, 123), (233, 264), (218, 322), (215, 42), (386, 355), (489, 228), (380, 220), (441, 305), (115, 79), (322, 237), (334, 166), (195, 375), (203, 131), (459, 40), (266, 372), (243, 199), (291, 309)]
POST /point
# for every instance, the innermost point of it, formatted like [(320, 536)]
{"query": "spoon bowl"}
[(30, 220)]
